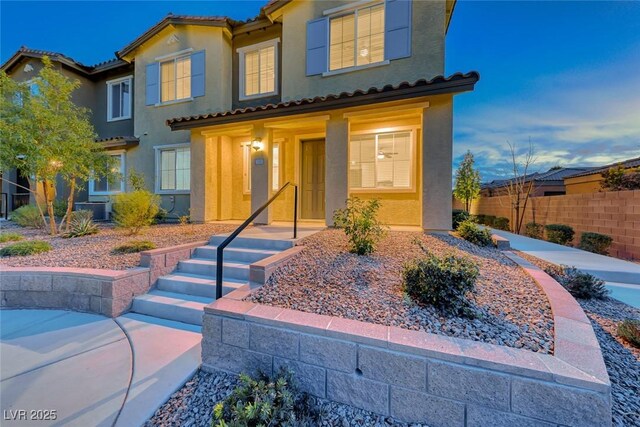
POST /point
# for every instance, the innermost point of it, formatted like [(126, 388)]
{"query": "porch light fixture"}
[(257, 144)]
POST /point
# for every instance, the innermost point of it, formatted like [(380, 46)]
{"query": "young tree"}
[(47, 136), (467, 186), (520, 186)]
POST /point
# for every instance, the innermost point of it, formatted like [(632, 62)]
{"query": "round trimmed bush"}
[(580, 284), (595, 242), (489, 220), (470, 232), (458, 216), (559, 233), (27, 216), (442, 282), (534, 230), (501, 223), (29, 247)]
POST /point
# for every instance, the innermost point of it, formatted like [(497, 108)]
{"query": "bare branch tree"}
[(520, 186)]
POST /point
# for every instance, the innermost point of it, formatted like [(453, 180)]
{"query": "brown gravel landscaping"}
[(326, 279), (95, 251)]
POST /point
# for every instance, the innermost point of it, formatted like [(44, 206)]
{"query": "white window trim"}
[(93, 192), (157, 150), (166, 58), (241, 68), (414, 130), (109, 110), (348, 9)]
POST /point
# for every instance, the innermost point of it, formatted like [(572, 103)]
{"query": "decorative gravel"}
[(621, 358), (192, 406), (326, 279), (95, 251)]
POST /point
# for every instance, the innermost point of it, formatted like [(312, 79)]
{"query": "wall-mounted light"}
[(257, 144)]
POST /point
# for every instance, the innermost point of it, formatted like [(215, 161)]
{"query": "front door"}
[(312, 183)]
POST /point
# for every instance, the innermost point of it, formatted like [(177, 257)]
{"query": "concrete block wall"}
[(615, 213), (418, 377)]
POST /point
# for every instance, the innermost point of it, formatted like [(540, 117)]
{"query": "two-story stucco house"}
[(343, 98)]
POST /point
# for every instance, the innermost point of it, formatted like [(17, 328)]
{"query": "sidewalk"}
[(89, 369)]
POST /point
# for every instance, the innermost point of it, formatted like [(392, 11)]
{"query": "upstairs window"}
[(173, 169), (258, 69), (119, 99), (175, 78), (381, 161), (357, 38)]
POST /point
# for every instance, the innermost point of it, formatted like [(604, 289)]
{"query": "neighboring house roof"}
[(171, 19), (627, 164), (438, 85), (550, 177), (87, 70)]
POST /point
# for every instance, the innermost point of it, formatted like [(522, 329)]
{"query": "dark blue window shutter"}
[(153, 75), (197, 74), (397, 29), (317, 40)]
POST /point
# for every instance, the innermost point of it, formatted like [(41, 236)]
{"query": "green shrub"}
[(559, 233), (134, 246), (361, 225), (442, 282), (501, 223), (10, 237), (534, 230), (161, 216), (81, 227), (595, 242), (59, 208), (29, 247), (579, 284), (457, 216), (266, 401), (135, 210), (489, 220), (470, 232), (27, 216), (629, 329), (480, 219)]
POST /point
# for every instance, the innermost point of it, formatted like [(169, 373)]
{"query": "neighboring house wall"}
[(426, 60), (614, 213), (150, 119), (584, 184)]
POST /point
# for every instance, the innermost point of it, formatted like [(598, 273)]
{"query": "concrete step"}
[(253, 243), (194, 284), (171, 306), (207, 267), (232, 254)]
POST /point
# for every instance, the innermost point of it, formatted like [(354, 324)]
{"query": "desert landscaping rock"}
[(95, 251), (192, 406), (621, 358), (326, 279)]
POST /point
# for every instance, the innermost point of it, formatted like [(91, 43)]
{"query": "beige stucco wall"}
[(150, 123), (583, 184), (426, 61)]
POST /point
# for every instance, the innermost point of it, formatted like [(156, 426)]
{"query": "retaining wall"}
[(414, 376), (615, 213)]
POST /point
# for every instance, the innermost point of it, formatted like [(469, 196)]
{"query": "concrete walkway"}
[(622, 277), (90, 369)]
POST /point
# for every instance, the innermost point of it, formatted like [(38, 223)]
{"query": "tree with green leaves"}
[(47, 137), (467, 186)]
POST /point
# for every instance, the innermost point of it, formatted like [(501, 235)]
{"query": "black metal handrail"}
[(225, 243)]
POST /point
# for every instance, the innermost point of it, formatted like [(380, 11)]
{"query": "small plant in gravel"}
[(501, 223), (161, 216), (10, 237), (135, 210), (27, 216), (265, 401), (443, 282), (470, 232), (81, 214), (30, 247), (458, 216), (595, 242), (133, 247), (183, 219), (360, 223), (629, 329), (559, 233), (578, 283), (81, 227), (534, 230)]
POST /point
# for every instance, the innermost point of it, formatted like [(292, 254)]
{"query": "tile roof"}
[(631, 163), (119, 141), (457, 82), (554, 174)]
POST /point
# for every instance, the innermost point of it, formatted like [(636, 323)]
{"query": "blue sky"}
[(562, 74)]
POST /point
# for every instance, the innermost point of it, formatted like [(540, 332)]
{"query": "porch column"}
[(437, 155), (336, 165), (260, 176), (203, 178)]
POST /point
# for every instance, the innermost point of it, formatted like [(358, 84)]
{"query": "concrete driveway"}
[(76, 369)]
